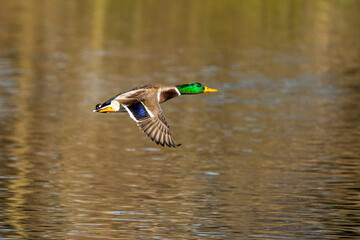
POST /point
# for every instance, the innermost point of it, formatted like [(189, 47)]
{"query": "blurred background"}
[(273, 155)]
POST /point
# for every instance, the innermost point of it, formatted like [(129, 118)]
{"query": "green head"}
[(194, 88)]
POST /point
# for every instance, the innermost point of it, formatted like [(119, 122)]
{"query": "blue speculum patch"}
[(138, 110)]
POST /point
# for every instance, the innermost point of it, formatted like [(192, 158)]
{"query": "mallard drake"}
[(143, 105)]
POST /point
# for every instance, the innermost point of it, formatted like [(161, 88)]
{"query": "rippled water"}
[(273, 155)]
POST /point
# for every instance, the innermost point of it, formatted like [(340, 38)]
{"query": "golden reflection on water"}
[(272, 155)]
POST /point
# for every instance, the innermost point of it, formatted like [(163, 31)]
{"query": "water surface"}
[(273, 155)]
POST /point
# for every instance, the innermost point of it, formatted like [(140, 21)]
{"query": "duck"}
[(143, 106)]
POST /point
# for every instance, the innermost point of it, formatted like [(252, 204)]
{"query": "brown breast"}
[(166, 94)]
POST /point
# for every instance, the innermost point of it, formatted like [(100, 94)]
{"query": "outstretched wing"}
[(157, 131), (151, 121)]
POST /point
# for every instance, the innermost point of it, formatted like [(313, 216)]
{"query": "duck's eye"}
[(198, 85), (98, 106)]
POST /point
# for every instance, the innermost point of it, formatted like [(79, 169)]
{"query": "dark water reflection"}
[(273, 155)]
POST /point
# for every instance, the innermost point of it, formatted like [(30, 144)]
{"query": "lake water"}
[(274, 154)]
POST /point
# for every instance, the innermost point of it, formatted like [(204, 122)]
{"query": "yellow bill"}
[(209, 89)]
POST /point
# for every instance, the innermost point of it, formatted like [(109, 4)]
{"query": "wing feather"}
[(153, 124), (133, 95), (156, 130)]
